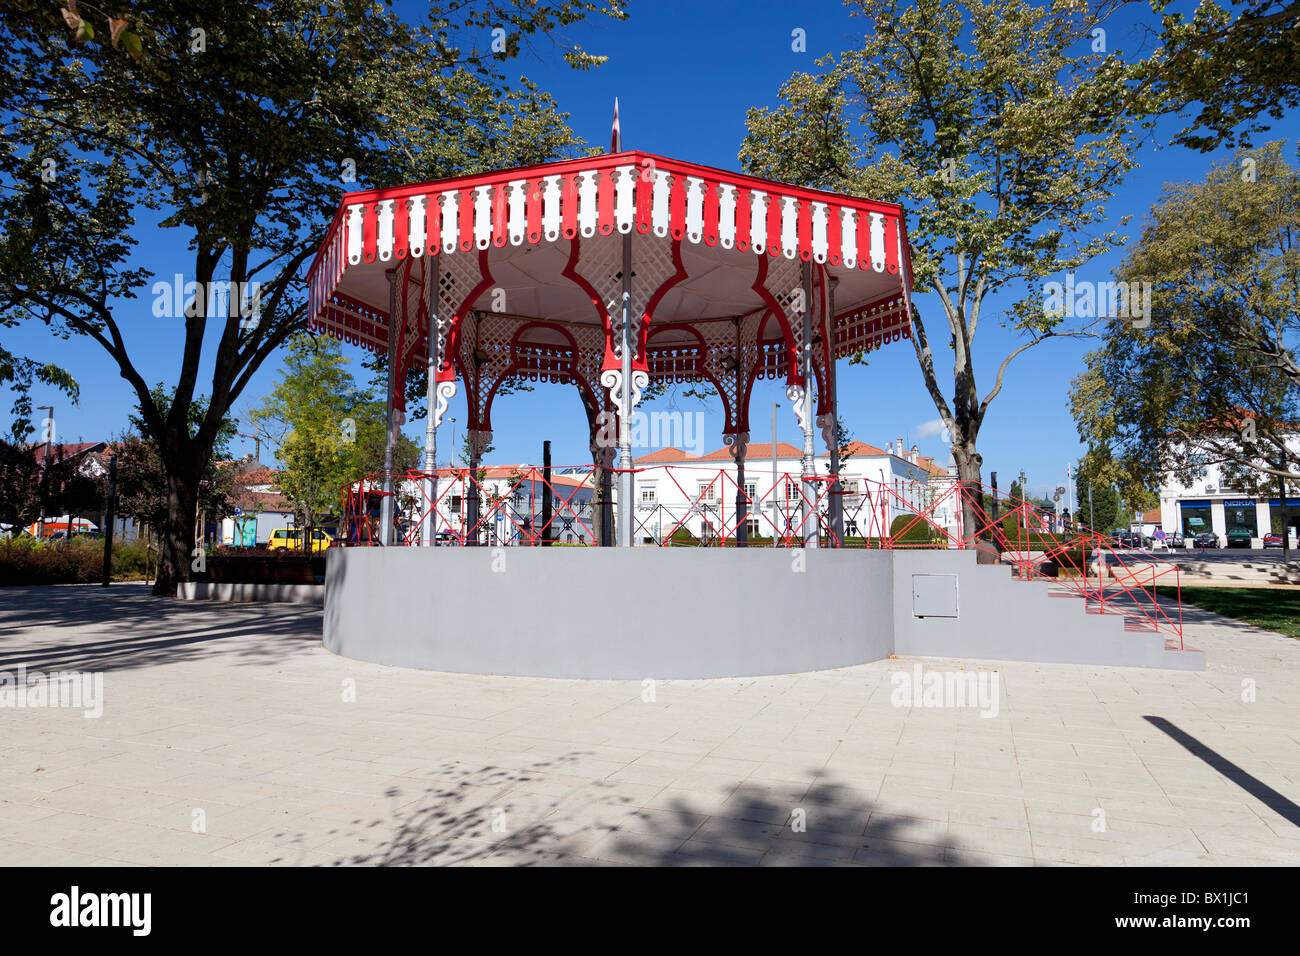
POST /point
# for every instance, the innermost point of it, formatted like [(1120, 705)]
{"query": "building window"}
[(707, 491), (1240, 514), (751, 490), (1195, 517), (647, 494)]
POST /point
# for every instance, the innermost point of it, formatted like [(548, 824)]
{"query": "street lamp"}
[(47, 429), (451, 456)]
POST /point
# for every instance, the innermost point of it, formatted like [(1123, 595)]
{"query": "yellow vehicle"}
[(290, 539)]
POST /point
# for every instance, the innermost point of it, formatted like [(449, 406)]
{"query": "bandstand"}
[(609, 273)]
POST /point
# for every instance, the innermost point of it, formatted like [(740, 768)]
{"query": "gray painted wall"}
[(625, 613), (686, 613)]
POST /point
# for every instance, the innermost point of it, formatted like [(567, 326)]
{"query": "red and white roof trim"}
[(606, 194)]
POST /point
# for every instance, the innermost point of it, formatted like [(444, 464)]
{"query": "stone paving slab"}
[(229, 736)]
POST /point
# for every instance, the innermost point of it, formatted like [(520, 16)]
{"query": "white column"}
[(832, 436), (1263, 520), (386, 506), (626, 485), (1219, 520), (808, 508), (433, 416)]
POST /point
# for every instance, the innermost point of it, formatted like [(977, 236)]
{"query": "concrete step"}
[(1131, 638), (1172, 653)]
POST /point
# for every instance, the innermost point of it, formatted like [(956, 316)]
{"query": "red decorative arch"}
[(517, 365), (448, 367), (791, 357), (701, 364)]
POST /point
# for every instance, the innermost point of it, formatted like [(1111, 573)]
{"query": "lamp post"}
[(451, 455), (47, 429)]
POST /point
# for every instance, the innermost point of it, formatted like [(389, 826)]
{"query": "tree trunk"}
[(176, 540), (973, 516)]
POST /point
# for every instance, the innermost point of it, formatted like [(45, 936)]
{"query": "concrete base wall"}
[(608, 613), (276, 593), (679, 613)]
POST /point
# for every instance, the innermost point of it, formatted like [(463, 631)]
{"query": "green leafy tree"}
[(238, 127), (1001, 141), (19, 373), (1213, 378), (328, 432), (1235, 63), (1096, 471)]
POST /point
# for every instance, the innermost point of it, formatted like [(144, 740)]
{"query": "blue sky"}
[(685, 74)]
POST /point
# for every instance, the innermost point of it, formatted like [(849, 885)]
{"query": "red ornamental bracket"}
[(500, 215), (401, 227), (465, 225), (710, 213)]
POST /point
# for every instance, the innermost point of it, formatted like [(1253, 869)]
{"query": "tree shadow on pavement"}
[(89, 628), (452, 823)]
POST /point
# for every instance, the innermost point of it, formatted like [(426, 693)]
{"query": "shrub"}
[(24, 560), (919, 532)]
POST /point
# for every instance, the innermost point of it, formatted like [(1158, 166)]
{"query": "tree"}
[(1213, 376), (328, 432), (142, 482), (18, 373), (239, 129), (1001, 145), (1233, 68), (30, 486), (20, 485)]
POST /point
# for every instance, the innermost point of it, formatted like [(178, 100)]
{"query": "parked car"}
[(1239, 537), (1175, 539), (1206, 539), (1274, 540), (290, 539)]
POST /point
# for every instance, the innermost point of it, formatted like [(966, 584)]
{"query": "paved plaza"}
[(229, 736)]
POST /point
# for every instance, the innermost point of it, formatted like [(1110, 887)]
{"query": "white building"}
[(676, 490), (1208, 504), (510, 505), (692, 496), (259, 508)]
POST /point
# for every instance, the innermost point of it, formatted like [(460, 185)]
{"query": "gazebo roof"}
[(513, 235)]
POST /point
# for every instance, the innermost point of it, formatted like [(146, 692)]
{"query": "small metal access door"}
[(934, 595)]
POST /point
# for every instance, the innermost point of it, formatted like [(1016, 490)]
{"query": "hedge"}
[(24, 560)]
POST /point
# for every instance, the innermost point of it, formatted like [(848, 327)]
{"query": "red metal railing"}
[(947, 515)]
